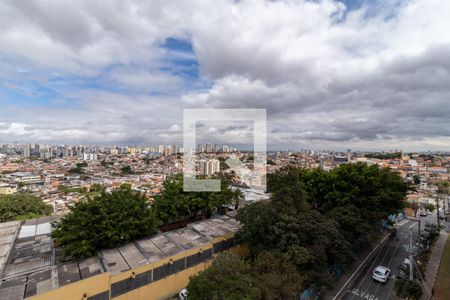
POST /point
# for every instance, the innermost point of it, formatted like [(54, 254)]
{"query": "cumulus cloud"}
[(329, 76)]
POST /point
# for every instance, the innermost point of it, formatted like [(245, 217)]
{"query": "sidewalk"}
[(435, 260)]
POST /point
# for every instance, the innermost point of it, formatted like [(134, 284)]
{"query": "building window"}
[(198, 258), (169, 269), (101, 296), (223, 245), (129, 284)]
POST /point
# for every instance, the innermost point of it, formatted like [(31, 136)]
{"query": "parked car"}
[(182, 295), (423, 213), (404, 268), (381, 274)]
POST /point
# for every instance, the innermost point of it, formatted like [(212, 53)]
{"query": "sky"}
[(359, 74)]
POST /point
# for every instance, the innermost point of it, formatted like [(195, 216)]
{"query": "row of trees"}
[(111, 219), (384, 155), (314, 224), (22, 206), (173, 204)]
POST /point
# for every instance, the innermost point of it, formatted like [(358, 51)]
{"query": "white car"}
[(423, 213), (381, 274), (182, 295)]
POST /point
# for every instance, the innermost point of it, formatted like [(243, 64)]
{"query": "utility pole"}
[(437, 210), (410, 256), (418, 237)]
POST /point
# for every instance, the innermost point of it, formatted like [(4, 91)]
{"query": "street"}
[(390, 255)]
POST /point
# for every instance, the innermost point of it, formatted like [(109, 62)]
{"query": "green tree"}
[(443, 187), (105, 221), (384, 155), (430, 207), (319, 219), (126, 170), (97, 187), (76, 170), (376, 192), (66, 189), (82, 164), (174, 204), (257, 220), (229, 278), (353, 226), (430, 235), (22, 206), (312, 241), (408, 289), (277, 277)]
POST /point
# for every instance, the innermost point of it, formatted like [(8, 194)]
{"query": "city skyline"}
[(332, 74), (234, 147)]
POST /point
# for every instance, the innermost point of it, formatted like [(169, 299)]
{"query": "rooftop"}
[(29, 261)]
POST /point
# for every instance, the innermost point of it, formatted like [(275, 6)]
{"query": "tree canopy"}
[(174, 204), (271, 276), (314, 223), (229, 278), (126, 170), (105, 221), (384, 155), (22, 206)]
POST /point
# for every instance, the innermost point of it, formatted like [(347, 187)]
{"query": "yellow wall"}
[(166, 287), (75, 291), (409, 211), (161, 289)]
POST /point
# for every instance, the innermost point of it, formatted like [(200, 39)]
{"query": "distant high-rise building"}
[(132, 150), (161, 149), (208, 167), (27, 150), (90, 156), (201, 148)]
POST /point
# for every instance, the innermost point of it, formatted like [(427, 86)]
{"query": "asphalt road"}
[(390, 255)]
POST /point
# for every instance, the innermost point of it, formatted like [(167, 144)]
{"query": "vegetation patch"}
[(442, 286), (22, 206)]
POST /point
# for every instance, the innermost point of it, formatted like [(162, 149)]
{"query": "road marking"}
[(359, 267), (370, 270), (363, 295), (414, 224)]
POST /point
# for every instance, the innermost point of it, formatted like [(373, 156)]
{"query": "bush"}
[(408, 289), (22, 206)]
